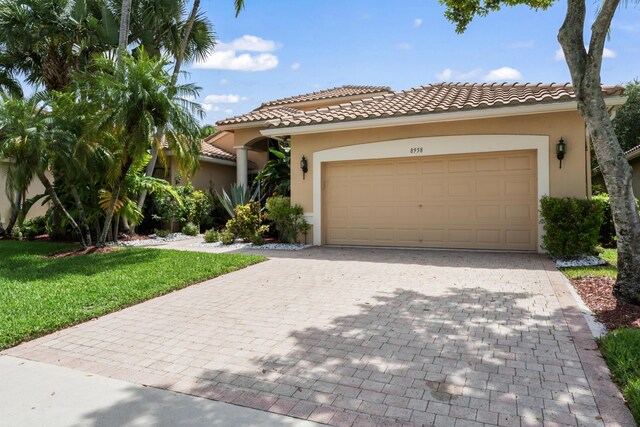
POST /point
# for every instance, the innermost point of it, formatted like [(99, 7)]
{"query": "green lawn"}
[(621, 349), (39, 295), (609, 255)]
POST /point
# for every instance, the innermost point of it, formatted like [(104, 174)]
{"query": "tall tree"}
[(627, 120), (585, 65), (193, 44), (127, 103)]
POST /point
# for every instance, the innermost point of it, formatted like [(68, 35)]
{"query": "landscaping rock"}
[(585, 261)]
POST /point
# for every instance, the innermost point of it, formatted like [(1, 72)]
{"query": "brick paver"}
[(354, 337)]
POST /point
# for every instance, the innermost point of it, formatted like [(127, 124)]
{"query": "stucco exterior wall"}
[(5, 206), (635, 164), (209, 176), (572, 180)]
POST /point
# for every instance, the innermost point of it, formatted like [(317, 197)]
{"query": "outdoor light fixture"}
[(304, 166), (561, 150)]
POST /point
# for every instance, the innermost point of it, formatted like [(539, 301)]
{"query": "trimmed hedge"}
[(608, 229), (571, 226)]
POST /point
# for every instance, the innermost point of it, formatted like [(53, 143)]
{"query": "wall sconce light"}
[(304, 166), (561, 150)]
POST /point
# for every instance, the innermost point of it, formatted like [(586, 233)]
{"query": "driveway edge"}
[(606, 394)]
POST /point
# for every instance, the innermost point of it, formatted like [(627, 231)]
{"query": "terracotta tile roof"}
[(258, 115), (435, 98), (210, 150), (336, 92), (633, 153)]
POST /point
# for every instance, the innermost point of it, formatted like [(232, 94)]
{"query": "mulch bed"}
[(596, 292), (83, 251)]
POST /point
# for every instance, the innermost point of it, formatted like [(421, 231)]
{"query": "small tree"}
[(585, 64)]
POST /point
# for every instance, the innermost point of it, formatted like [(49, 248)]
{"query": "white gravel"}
[(155, 240), (585, 261), (267, 246)]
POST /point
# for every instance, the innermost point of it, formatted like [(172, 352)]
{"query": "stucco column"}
[(242, 169)]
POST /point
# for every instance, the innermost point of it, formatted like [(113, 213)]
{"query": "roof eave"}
[(633, 154), (348, 98), (233, 126), (446, 116)]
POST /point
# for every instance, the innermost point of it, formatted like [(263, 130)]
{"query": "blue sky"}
[(279, 48)]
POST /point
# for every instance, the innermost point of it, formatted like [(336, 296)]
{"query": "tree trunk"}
[(174, 80), (585, 70), (123, 35), (106, 228), (57, 203), (15, 211), (84, 225)]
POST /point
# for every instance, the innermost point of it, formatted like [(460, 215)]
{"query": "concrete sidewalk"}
[(34, 393)]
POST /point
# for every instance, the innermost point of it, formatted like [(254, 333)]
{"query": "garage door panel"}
[(461, 165), (485, 201)]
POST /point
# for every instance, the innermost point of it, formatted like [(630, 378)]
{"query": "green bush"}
[(34, 227), (621, 350), (287, 219), (190, 229), (197, 207), (571, 226), (248, 222), (162, 233), (211, 236), (608, 229), (227, 237)]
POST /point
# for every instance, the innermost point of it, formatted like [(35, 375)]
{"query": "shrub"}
[(190, 229), (608, 229), (227, 237), (161, 232), (287, 219), (571, 226), (34, 227), (248, 222), (197, 207), (211, 236)]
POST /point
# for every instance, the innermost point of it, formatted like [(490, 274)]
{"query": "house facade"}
[(457, 166)]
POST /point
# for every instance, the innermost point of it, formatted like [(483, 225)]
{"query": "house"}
[(633, 157), (35, 188), (448, 165)]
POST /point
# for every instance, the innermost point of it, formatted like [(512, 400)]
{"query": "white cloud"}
[(228, 111), (223, 82), (417, 22), (226, 56), (404, 46), (295, 66), (451, 75), (224, 99), (249, 43), (503, 74), (559, 54), (606, 53)]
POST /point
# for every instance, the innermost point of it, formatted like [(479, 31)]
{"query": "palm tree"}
[(127, 104), (197, 42), (46, 40), (23, 140)]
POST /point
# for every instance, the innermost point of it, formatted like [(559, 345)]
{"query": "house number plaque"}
[(415, 150)]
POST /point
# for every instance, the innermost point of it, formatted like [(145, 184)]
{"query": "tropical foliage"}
[(239, 195), (275, 178), (107, 98)]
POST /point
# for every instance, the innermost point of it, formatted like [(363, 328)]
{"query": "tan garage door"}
[(475, 201)]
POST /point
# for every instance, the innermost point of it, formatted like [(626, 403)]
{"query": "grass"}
[(621, 349), (609, 255), (39, 295)]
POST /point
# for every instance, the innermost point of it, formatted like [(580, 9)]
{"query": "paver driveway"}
[(354, 337)]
